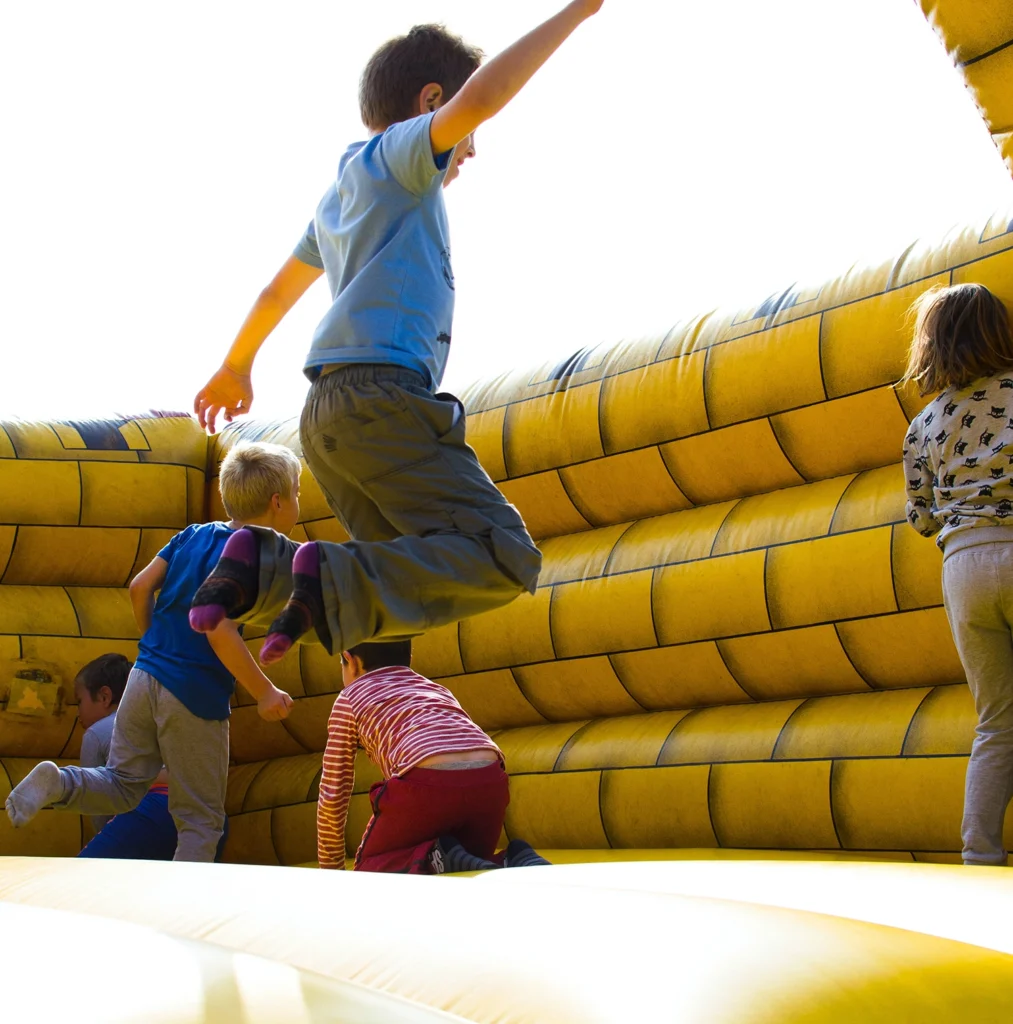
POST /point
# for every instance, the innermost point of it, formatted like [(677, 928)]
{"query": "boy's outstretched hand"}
[(591, 6), (228, 392), (274, 705)]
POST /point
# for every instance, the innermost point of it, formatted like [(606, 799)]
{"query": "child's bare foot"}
[(303, 611), (231, 589), (42, 786)]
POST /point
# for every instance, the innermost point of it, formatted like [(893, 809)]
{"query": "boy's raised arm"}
[(230, 390), (493, 86)]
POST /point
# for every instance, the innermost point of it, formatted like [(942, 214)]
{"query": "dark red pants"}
[(412, 812)]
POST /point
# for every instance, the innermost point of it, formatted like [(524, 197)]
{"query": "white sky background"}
[(160, 161)]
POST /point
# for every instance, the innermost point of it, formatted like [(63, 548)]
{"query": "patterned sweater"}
[(400, 718), (958, 460)]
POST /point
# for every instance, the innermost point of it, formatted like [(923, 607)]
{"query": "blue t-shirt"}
[(178, 657), (381, 235)]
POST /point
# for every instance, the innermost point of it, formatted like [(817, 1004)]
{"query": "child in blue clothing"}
[(99, 687), (175, 708), (148, 831), (433, 539)]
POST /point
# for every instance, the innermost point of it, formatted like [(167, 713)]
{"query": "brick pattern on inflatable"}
[(736, 640), (727, 405), (979, 40)]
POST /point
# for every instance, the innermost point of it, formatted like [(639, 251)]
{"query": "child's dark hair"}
[(107, 670), (961, 333), (404, 66), (383, 654)]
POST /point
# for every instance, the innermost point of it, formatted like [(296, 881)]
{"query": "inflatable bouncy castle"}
[(732, 713)]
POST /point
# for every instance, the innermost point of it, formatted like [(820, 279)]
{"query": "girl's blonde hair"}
[(961, 333), (252, 473)]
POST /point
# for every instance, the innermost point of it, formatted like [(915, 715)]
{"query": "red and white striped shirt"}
[(399, 718)]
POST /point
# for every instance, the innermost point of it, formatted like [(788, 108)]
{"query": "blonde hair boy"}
[(252, 473), (175, 708)]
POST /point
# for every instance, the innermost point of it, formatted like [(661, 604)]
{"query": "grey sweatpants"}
[(433, 539), (978, 594), (153, 728)]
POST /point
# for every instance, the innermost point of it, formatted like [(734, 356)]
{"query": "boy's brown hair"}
[(404, 66), (961, 333), (383, 654), (110, 670), (252, 473)]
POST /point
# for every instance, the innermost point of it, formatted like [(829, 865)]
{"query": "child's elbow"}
[(274, 298)]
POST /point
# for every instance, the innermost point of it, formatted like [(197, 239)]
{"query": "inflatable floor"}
[(732, 713)]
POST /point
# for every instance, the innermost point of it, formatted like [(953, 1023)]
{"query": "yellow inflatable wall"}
[(737, 664), (737, 641), (979, 38)]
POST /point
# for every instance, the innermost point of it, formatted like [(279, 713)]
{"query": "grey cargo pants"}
[(153, 727), (433, 539)]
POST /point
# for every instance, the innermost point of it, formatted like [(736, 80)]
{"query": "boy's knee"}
[(525, 562), (134, 790), (505, 535)]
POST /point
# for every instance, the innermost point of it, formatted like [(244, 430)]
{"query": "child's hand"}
[(590, 7), (227, 391), (274, 705)]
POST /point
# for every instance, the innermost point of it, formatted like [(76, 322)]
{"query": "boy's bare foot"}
[(42, 786), (303, 611), (231, 589)]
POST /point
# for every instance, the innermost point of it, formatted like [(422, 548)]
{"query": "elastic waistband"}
[(472, 777), (461, 766), (975, 536), (366, 373)]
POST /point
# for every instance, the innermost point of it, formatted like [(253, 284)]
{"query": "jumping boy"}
[(433, 539), (445, 793), (175, 708)]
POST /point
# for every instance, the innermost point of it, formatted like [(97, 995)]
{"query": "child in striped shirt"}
[(441, 805)]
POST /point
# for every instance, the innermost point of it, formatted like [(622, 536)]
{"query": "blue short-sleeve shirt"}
[(178, 657), (380, 233)]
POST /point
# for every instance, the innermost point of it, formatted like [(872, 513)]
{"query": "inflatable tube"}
[(119, 973), (848, 772), (589, 953), (979, 39)]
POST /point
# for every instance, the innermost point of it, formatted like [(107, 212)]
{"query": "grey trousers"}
[(153, 728), (978, 594), (433, 539)]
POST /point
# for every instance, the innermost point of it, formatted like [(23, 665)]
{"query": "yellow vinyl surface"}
[(979, 39), (762, 663), (608, 944), (160, 979), (733, 690)]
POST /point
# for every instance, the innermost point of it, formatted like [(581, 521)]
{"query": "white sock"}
[(42, 786)]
